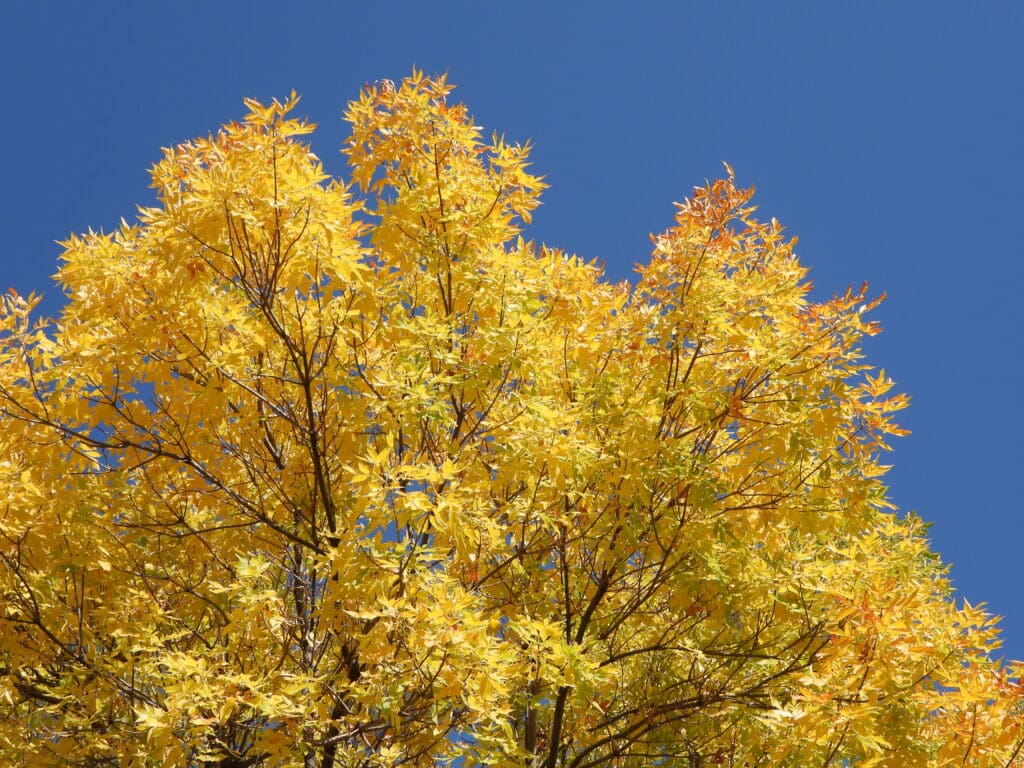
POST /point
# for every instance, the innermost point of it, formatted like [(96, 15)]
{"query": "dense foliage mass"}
[(317, 474)]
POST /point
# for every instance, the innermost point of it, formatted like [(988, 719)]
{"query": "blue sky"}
[(886, 135)]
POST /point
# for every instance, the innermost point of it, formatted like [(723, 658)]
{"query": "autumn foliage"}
[(323, 474)]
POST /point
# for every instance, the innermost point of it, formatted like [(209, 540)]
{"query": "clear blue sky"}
[(888, 136)]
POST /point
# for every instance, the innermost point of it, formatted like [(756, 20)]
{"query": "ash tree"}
[(326, 473)]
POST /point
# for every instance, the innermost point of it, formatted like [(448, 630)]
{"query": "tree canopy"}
[(320, 473)]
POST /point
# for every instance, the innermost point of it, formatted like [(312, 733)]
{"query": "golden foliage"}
[(310, 474)]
